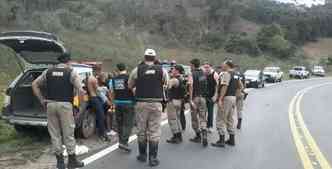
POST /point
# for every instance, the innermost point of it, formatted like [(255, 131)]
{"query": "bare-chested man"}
[(97, 104)]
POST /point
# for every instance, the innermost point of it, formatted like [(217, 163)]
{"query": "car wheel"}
[(256, 85), (88, 124)]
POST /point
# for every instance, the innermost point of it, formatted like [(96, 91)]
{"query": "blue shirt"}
[(119, 102)]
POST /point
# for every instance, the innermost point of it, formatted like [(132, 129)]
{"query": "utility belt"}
[(150, 100), (70, 100), (200, 96)]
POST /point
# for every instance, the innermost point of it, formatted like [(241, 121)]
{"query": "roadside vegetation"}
[(18, 149)]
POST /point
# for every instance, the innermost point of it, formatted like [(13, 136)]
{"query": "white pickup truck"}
[(299, 72), (273, 74)]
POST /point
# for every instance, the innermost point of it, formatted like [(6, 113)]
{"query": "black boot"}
[(60, 162), (176, 139), (73, 162), (196, 139), (239, 123), (220, 142), (179, 135), (231, 140), (204, 138), (142, 151), (153, 153), (125, 147)]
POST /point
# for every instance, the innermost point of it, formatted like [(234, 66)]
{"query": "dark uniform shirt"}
[(74, 79)]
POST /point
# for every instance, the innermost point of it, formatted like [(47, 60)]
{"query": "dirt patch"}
[(321, 48)]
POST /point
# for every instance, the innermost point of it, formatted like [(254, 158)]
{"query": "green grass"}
[(7, 132), (29, 144)]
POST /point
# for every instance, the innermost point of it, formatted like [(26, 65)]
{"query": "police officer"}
[(240, 94), (61, 82), (197, 94), (149, 80), (227, 105), (176, 94), (123, 99)]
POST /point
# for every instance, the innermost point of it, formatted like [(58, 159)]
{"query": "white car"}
[(273, 74), (318, 71), (299, 72), (254, 78)]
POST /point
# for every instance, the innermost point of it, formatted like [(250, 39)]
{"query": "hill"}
[(254, 33)]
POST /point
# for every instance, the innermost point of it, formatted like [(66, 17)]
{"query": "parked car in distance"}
[(39, 51), (299, 72), (273, 74), (254, 78), (318, 71)]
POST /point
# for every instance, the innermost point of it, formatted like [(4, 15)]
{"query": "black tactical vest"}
[(233, 85), (176, 92), (149, 83), (211, 83), (199, 84), (120, 88), (59, 86)]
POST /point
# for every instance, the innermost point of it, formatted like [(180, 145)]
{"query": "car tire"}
[(256, 85), (88, 124)]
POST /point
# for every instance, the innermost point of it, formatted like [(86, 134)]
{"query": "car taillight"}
[(6, 101)]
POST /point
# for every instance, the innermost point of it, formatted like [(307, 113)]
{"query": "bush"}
[(4, 12), (241, 44), (272, 39), (46, 21), (214, 40)]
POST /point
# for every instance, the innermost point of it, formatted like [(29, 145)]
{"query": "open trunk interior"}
[(24, 103)]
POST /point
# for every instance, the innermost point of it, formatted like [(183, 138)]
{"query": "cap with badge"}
[(150, 52)]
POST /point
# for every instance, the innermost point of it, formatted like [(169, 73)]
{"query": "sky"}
[(305, 2)]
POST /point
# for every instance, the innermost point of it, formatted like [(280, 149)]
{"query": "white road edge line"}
[(114, 147)]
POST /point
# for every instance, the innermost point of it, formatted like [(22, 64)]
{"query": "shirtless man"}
[(97, 104)]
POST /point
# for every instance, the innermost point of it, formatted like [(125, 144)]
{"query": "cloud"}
[(304, 2)]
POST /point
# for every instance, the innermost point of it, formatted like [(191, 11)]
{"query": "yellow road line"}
[(302, 136), (312, 143), (297, 138)]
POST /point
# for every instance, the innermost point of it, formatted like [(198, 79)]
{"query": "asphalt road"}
[(267, 140)]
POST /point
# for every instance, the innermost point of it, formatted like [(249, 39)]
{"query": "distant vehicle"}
[(254, 78), (318, 71), (40, 51), (273, 74), (299, 72)]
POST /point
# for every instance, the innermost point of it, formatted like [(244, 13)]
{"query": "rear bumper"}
[(26, 121), (318, 74), (251, 83)]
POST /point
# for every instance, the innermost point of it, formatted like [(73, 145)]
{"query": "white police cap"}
[(150, 52)]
